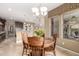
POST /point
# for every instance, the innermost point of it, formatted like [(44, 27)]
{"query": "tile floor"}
[(10, 48)]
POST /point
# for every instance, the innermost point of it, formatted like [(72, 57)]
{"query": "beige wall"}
[(47, 27)]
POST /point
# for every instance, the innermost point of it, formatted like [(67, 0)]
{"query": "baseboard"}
[(69, 51)]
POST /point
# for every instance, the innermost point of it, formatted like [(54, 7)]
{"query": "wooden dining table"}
[(46, 44)]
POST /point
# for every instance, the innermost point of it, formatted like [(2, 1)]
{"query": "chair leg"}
[(54, 53), (43, 52), (26, 52), (23, 51)]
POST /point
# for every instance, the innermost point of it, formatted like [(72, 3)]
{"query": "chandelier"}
[(39, 11)]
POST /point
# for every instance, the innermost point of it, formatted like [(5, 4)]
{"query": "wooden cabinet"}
[(2, 36), (2, 29), (2, 24)]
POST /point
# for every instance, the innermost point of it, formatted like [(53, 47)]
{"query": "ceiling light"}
[(40, 11), (44, 13), (35, 9), (9, 9), (43, 9), (37, 13)]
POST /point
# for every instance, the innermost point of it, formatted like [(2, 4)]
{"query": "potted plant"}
[(39, 32)]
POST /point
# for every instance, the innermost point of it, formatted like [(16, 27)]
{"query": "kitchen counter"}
[(1, 32), (2, 36)]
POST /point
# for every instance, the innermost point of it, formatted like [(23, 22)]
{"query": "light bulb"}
[(44, 13), (35, 9), (37, 13), (9, 9), (43, 9)]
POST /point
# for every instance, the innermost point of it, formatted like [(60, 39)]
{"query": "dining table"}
[(48, 42)]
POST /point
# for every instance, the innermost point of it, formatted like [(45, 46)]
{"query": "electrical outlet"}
[(63, 43)]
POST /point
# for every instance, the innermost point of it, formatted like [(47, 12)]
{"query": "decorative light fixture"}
[(39, 11)]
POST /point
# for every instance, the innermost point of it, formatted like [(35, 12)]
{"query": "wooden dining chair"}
[(54, 45), (51, 46), (36, 45), (25, 43)]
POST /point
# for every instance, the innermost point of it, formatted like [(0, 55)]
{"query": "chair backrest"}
[(25, 37), (35, 41), (54, 39)]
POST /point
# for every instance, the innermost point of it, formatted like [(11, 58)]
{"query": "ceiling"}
[(22, 11)]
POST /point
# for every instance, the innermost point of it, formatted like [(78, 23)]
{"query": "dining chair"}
[(52, 45), (25, 43), (36, 45)]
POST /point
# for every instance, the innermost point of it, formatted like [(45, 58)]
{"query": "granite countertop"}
[(1, 32)]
